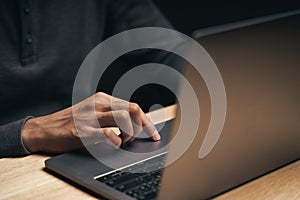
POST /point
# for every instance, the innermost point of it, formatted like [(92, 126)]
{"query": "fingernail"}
[(116, 146), (156, 136)]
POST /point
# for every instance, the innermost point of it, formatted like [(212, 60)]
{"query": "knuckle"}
[(99, 115), (99, 95), (107, 132), (123, 115), (134, 108), (99, 105)]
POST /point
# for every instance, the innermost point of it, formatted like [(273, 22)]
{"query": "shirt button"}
[(28, 39), (27, 10)]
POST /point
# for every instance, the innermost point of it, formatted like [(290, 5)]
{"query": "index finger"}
[(139, 119), (149, 128)]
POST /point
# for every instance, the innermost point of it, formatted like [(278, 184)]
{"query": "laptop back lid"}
[(260, 68)]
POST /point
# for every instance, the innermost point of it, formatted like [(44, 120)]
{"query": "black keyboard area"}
[(140, 181)]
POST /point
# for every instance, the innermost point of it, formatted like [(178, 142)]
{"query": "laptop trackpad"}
[(135, 151)]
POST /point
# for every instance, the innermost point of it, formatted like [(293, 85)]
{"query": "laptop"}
[(260, 68)]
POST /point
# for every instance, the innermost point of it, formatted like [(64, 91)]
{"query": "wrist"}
[(29, 136)]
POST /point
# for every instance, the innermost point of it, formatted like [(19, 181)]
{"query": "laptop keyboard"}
[(140, 181)]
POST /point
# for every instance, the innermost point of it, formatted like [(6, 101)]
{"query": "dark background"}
[(190, 15)]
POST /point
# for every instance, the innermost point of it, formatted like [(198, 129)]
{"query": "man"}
[(42, 46)]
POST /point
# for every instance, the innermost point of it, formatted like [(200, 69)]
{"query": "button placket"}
[(27, 46), (28, 39), (27, 9)]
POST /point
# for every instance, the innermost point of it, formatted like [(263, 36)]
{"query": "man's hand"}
[(57, 132)]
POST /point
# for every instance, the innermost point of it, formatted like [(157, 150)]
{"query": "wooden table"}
[(25, 178)]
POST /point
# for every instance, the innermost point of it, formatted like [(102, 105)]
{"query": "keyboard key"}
[(128, 185), (110, 176), (153, 184), (122, 179), (150, 195), (141, 197), (144, 188), (145, 179), (118, 174), (102, 179), (156, 174), (133, 193)]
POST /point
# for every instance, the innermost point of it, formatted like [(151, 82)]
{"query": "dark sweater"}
[(43, 44)]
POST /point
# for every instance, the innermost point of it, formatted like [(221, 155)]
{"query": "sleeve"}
[(11, 143), (130, 14)]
